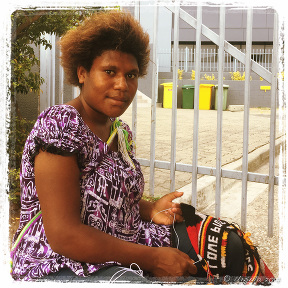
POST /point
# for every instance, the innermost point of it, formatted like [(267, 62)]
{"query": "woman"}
[(80, 175)]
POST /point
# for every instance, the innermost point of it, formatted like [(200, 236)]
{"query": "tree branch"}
[(26, 24)]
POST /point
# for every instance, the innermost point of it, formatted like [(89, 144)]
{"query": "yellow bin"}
[(205, 95), (167, 95)]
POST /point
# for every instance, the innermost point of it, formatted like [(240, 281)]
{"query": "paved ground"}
[(232, 138), (231, 152)]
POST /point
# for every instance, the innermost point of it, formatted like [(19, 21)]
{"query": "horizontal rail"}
[(210, 171)]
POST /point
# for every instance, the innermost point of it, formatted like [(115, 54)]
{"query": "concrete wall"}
[(235, 28)]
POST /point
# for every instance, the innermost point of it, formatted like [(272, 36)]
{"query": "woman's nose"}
[(121, 83)]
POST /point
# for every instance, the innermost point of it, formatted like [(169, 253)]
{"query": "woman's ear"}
[(81, 73)]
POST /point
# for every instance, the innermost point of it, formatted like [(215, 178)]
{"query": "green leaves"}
[(19, 130), (28, 27)]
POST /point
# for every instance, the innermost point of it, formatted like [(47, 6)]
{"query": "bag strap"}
[(24, 231)]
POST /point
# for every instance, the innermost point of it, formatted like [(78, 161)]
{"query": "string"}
[(139, 272), (124, 270), (173, 226)]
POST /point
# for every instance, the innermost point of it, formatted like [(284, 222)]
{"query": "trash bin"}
[(205, 95), (224, 101), (188, 96), (167, 94)]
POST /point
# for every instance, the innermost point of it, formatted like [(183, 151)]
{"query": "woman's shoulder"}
[(60, 117), (58, 111), (58, 129)]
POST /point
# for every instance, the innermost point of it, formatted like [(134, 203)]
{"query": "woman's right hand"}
[(171, 262)]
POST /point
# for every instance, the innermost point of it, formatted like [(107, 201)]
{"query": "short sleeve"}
[(57, 130)]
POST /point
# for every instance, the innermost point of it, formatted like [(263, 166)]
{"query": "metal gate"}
[(48, 66), (250, 65)]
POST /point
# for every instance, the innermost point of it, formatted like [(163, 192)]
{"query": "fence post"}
[(275, 66), (196, 106), (153, 104), (246, 117), (174, 98), (219, 113), (134, 103)]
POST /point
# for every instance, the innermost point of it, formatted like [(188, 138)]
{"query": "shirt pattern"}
[(110, 191)]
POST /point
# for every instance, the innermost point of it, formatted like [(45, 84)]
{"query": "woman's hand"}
[(172, 263), (163, 211), (172, 211)]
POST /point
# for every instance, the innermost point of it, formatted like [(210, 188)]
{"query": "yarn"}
[(124, 146), (124, 270), (173, 226)]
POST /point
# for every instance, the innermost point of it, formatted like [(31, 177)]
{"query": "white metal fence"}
[(48, 67), (246, 61), (209, 59)]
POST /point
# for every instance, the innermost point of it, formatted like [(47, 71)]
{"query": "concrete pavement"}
[(232, 138)]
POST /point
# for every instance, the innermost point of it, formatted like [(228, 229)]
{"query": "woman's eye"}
[(132, 76), (109, 72)]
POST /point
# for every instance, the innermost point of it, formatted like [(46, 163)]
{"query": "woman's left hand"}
[(172, 211)]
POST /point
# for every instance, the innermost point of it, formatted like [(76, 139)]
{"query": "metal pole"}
[(246, 117), (61, 82), (219, 113), (196, 106), (153, 103), (273, 126), (53, 58), (174, 97), (134, 102)]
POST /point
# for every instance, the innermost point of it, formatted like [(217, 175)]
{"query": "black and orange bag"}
[(208, 236)]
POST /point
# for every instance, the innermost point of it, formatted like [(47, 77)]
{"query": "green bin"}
[(188, 96), (224, 101)]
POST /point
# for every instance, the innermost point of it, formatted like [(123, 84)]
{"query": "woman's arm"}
[(57, 184)]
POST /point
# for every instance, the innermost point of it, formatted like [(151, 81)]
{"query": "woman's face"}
[(111, 84)]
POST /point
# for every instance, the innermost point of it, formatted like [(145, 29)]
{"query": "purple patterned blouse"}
[(110, 191)]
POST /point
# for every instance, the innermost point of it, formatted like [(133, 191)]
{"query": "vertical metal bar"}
[(153, 104), (196, 106), (246, 117), (61, 83), (214, 60), (181, 58), (44, 73), (262, 57), (49, 74), (172, 56), (134, 102), (219, 113), (186, 58), (206, 65), (264, 60), (210, 60), (273, 126), (53, 58), (76, 92), (174, 98)]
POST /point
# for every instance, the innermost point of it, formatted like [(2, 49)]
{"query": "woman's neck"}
[(99, 123)]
